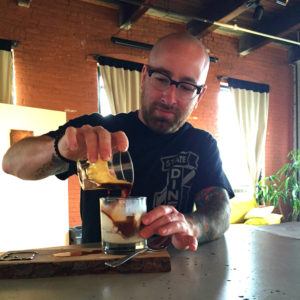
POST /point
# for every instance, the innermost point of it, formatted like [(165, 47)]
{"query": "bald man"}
[(177, 166)]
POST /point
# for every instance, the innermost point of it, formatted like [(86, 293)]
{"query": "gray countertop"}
[(245, 264)]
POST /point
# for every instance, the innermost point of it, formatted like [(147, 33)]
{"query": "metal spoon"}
[(154, 244)]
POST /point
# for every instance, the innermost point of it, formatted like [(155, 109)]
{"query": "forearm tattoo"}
[(53, 167), (212, 216)]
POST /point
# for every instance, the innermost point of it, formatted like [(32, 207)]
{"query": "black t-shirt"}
[(168, 168)]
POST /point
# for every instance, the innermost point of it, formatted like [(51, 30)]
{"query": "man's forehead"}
[(181, 69), (183, 59), (179, 74)]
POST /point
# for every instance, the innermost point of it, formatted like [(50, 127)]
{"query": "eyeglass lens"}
[(162, 82)]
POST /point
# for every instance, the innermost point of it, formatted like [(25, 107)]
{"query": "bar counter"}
[(245, 264)]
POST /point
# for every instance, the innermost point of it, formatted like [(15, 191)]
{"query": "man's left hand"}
[(165, 220)]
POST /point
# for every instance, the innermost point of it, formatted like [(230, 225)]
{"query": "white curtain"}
[(6, 76), (122, 87), (252, 113)]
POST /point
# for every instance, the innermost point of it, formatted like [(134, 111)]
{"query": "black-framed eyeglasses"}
[(162, 82)]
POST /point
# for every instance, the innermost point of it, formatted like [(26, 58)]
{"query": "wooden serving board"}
[(46, 264)]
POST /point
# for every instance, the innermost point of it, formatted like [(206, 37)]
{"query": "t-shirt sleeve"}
[(212, 172)]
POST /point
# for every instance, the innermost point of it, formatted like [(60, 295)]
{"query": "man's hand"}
[(208, 222), (166, 220), (91, 142), (34, 158)]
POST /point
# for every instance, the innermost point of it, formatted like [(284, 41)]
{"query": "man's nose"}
[(170, 95)]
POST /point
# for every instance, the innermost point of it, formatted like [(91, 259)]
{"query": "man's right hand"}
[(34, 158), (91, 142)]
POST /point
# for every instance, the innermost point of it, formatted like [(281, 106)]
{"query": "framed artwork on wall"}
[(17, 135)]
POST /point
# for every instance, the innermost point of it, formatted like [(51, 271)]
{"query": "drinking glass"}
[(117, 173), (120, 220)]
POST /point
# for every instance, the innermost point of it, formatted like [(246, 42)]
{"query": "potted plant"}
[(283, 186)]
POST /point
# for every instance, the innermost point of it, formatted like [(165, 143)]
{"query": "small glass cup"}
[(120, 220), (116, 173)]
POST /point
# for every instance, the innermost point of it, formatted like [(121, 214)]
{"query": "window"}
[(14, 92), (230, 143), (7, 91), (103, 103)]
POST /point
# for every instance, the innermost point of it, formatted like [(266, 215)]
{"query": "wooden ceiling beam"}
[(221, 11), (294, 54), (130, 13), (105, 3), (280, 26)]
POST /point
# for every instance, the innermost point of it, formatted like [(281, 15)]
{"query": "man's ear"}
[(144, 74), (200, 96)]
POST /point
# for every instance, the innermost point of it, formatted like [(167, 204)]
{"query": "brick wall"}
[(54, 69), (267, 65)]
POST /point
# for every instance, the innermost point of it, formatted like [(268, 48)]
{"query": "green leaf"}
[(286, 183), (283, 185)]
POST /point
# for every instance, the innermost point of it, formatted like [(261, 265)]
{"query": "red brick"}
[(52, 70)]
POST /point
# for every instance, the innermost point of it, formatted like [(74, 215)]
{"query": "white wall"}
[(33, 214)]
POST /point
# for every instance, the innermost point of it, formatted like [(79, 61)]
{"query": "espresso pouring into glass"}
[(117, 173), (120, 216)]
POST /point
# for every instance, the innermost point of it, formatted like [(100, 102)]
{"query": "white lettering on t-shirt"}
[(179, 170)]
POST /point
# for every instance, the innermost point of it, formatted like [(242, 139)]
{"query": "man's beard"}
[(161, 124)]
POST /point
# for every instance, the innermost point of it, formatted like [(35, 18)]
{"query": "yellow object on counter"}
[(240, 207), (271, 219)]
